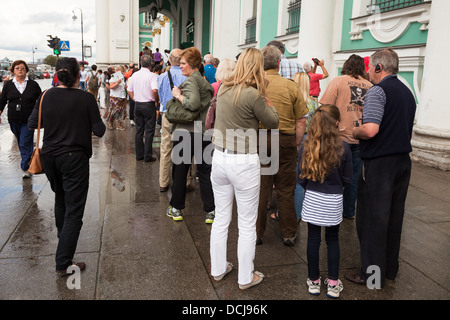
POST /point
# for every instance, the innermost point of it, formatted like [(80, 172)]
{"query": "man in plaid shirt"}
[(287, 67)]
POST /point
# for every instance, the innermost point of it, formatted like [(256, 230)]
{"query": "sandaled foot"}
[(229, 268), (259, 278)]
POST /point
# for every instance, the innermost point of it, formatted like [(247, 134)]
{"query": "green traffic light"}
[(56, 51)]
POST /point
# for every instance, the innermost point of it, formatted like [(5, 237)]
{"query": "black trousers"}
[(333, 251), (145, 119), (68, 175), (180, 172), (382, 190)]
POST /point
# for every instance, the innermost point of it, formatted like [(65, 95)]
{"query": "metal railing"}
[(390, 5), (294, 9), (250, 27)]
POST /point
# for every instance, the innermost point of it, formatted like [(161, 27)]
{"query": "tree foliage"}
[(51, 60)]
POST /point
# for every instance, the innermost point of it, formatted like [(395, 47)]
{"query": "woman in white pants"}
[(241, 106)]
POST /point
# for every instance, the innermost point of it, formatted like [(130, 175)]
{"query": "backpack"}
[(211, 115), (93, 82)]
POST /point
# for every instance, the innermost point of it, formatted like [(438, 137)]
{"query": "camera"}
[(316, 61)]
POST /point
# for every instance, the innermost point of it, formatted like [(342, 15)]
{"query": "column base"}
[(431, 147)]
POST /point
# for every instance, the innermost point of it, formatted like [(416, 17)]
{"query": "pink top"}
[(216, 87), (142, 83)]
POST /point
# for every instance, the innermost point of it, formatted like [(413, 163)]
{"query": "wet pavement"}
[(134, 251)]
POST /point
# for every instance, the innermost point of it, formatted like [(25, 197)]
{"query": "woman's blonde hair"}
[(323, 147), (302, 79), (249, 72)]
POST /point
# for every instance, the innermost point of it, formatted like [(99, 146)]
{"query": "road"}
[(43, 83)]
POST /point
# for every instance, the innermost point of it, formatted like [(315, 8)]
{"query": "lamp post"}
[(32, 50), (74, 18)]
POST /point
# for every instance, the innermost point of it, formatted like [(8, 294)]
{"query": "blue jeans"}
[(83, 85), (299, 192), (351, 190), (25, 141)]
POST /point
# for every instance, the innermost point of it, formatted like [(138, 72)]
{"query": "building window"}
[(251, 31), (294, 16), (390, 5), (147, 18)]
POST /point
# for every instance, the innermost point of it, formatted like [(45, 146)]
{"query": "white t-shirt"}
[(119, 91), (83, 75)]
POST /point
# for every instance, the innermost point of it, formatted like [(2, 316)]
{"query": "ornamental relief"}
[(387, 27)]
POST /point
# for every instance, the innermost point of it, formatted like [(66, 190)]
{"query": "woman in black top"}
[(69, 116), (21, 94)]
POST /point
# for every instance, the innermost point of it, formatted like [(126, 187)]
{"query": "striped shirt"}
[(322, 209), (374, 103)]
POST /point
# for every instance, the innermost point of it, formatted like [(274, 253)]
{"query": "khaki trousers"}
[(285, 183), (165, 161)]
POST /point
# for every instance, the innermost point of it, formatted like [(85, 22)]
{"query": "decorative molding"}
[(291, 42), (146, 44), (389, 26), (156, 31)]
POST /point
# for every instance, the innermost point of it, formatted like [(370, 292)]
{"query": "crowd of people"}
[(340, 152)]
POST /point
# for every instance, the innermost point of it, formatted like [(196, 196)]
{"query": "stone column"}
[(225, 31), (165, 34), (431, 141), (316, 32), (102, 23), (198, 27)]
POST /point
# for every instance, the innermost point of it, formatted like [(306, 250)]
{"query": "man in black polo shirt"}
[(385, 143)]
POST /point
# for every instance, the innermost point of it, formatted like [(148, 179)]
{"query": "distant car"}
[(39, 75), (5, 75), (46, 75), (31, 75)]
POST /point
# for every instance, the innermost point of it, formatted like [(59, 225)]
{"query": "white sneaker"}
[(26, 175), (132, 123), (313, 288), (334, 291)]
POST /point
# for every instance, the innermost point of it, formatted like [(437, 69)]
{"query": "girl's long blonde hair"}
[(323, 147), (249, 72)]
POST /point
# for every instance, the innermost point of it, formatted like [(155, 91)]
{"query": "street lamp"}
[(33, 48), (74, 18)]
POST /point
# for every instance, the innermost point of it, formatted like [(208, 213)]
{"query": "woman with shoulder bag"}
[(21, 94), (195, 95), (69, 116)]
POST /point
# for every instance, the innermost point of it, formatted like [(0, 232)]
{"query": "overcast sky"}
[(25, 24)]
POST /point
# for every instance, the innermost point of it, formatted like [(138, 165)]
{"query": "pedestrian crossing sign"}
[(64, 46)]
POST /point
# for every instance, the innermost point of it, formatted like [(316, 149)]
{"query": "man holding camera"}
[(385, 145), (315, 77)]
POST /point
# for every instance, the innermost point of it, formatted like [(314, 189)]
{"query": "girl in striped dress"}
[(325, 167)]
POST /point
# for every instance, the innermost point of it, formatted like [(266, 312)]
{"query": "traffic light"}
[(56, 50), (54, 44)]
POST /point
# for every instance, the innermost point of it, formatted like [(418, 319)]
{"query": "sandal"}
[(254, 282), (120, 128), (229, 268)]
